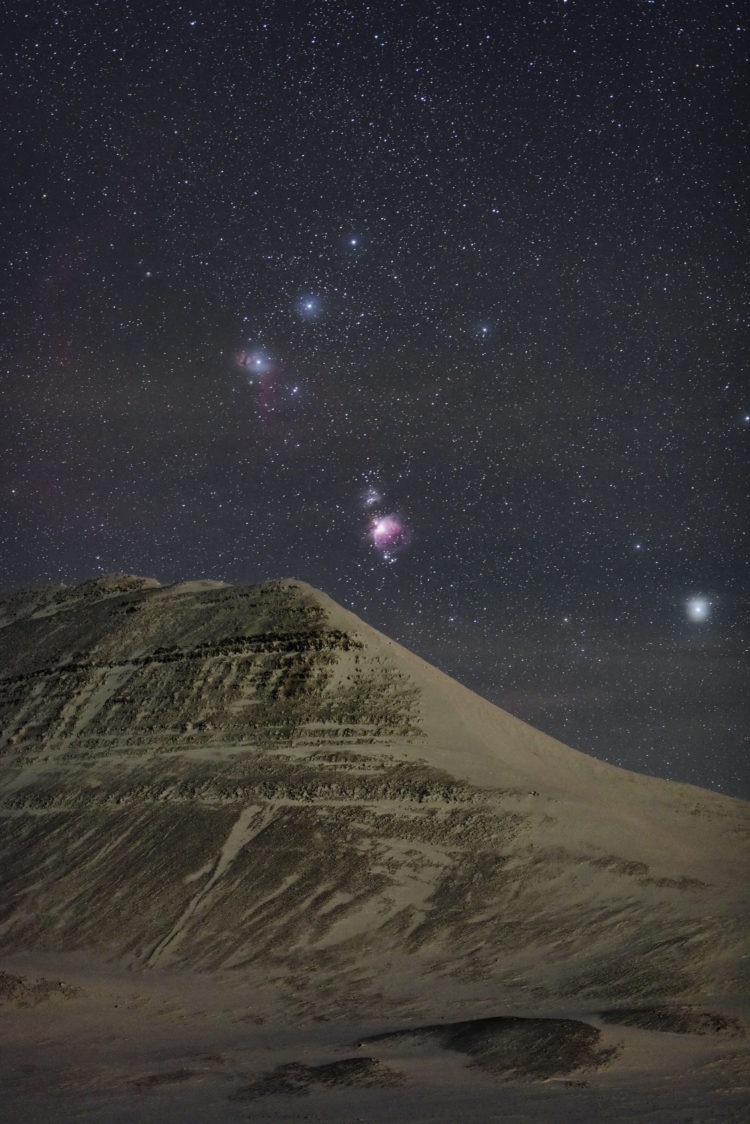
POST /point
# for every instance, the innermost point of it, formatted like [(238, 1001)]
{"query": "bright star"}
[(309, 306), (255, 361), (698, 608)]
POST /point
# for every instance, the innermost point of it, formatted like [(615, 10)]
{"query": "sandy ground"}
[(109, 1046)]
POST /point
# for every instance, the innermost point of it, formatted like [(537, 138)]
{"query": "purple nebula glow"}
[(371, 497), (387, 532)]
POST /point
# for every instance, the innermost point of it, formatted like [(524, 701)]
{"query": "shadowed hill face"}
[(250, 779)]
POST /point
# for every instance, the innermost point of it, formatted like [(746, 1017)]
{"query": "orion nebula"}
[(388, 533)]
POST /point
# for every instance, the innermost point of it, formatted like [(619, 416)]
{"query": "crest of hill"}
[(122, 616), (473, 739), (318, 650)]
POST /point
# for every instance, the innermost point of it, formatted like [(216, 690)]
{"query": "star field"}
[(438, 306)]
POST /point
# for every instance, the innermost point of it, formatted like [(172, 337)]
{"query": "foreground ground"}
[(89, 1044)]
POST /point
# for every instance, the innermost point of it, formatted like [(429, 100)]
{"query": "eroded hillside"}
[(243, 780)]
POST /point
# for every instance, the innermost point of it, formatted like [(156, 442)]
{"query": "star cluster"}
[(436, 306)]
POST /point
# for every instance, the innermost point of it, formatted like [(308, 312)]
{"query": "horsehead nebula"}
[(261, 371)]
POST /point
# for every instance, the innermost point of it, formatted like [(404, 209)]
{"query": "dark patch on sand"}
[(676, 1020), (28, 993), (516, 1047), (173, 1077), (296, 1079)]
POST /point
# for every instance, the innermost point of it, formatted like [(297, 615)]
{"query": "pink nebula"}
[(387, 532)]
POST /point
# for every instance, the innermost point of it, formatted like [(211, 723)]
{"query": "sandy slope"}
[(248, 831)]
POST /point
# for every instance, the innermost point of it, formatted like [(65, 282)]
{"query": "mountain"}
[(251, 786)]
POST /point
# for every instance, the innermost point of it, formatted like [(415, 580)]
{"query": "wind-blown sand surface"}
[(260, 862)]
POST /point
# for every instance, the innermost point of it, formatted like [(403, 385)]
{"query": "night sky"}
[(438, 306)]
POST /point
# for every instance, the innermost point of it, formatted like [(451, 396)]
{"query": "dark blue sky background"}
[(276, 271)]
